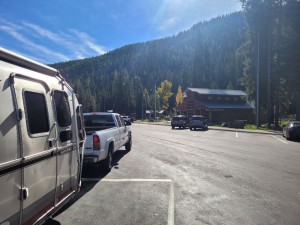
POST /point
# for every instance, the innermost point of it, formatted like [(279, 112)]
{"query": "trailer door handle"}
[(51, 142), (24, 193)]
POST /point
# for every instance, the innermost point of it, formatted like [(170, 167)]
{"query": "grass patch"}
[(284, 123), (253, 127), (266, 127)]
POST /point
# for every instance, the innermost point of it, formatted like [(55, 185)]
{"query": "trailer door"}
[(39, 150), (67, 154)]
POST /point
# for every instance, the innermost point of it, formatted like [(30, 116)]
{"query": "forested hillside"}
[(271, 55), (204, 56), (233, 51)]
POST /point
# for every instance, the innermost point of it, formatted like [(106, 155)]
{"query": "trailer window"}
[(36, 111), (62, 107)]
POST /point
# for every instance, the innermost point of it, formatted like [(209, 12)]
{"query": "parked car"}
[(127, 120), (198, 122), (180, 121), (292, 130)]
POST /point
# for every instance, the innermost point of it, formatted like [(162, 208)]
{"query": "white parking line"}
[(171, 208), (127, 180), (279, 139), (236, 134)]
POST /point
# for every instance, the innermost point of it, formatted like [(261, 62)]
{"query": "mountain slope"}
[(203, 56)]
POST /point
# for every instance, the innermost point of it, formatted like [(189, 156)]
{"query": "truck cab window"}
[(122, 122), (62, 109), (36, 111), (119, 121)]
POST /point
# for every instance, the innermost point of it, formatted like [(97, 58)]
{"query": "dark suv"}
[(198, 122), (180, 121)]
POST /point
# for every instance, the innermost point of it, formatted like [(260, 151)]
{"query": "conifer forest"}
[(260, 45)]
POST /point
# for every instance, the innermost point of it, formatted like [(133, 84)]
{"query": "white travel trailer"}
[(41, 139)]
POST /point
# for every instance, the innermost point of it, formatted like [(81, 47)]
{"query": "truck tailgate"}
[(88, 146)]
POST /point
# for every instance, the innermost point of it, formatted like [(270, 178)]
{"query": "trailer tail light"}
[(96, 142)]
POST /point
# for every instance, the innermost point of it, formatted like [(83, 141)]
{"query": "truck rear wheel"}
[(128, 145), (108, 160)]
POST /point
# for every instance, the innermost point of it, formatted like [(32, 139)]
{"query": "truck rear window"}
[(99, 121), (198, 118)]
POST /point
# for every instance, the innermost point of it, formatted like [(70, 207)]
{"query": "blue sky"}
[(61, 30)]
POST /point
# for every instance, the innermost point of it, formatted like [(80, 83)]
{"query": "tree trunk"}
[(277, 107), (298, 106)]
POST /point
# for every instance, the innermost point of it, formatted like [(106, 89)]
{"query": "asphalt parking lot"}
[(192, 177)]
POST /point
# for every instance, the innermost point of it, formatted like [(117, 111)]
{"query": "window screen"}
[(63, 114), (36, 110)]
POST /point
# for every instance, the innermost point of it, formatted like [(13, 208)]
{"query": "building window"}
[(62, 109), (190, 112), (227, 98), (235, 98), (219, 98), (210, 98), (36, 111)]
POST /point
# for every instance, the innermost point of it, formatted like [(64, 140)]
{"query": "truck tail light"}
[(96, 142)]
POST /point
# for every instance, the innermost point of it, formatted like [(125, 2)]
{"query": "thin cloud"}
[(167, 24), (67, 42), (88, 41), (76, 43), (176, 15), (46, 33), (117, 16), (29, 44)]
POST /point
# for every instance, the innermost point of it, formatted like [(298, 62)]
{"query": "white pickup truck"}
[(106, 133)]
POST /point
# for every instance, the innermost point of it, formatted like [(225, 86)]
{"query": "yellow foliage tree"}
[(179, 96), (164, 93)]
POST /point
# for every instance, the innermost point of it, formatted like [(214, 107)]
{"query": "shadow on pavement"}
[(98, 170), (88, 171), (199, 129), (297, 140), (179, 128), (52, 222)]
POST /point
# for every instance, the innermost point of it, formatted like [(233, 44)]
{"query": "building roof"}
[(205, 91)]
